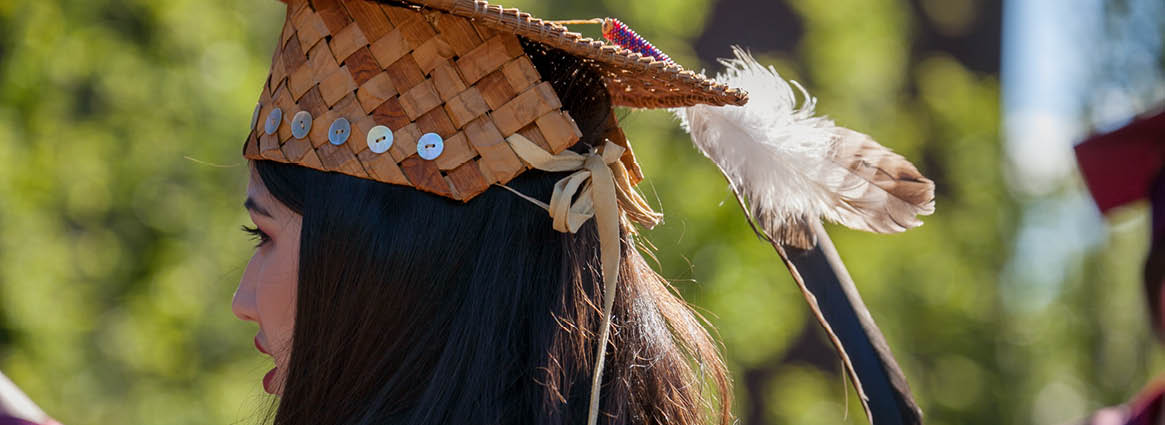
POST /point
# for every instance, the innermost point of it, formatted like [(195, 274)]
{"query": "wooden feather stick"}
[(879, 381), (789, 169), (834, 302)]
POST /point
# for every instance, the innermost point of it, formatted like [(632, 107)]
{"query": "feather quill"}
[(791, 166)]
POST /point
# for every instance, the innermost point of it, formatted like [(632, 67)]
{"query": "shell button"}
[(301, 124), (273, 120), (338, 132), (255, 116), (430, 146), (379, 139)]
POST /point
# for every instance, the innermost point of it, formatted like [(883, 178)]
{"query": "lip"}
[(269, 381), (259, 346)]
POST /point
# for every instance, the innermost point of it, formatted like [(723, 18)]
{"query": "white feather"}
[(771, 143), (782, 158)]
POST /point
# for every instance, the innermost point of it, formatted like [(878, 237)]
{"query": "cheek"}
[(275, 299)]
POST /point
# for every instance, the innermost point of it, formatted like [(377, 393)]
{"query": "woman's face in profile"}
[(266, 293)]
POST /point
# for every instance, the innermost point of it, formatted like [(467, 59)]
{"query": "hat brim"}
[(634, 80)]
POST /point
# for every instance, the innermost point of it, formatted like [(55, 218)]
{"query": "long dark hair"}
[(416, 309)]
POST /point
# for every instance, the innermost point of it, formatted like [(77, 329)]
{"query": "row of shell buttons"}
[(429, 146)]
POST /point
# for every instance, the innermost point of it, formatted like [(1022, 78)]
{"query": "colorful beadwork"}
[(618, 33)]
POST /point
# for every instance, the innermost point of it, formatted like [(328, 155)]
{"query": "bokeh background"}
[(121, 124)]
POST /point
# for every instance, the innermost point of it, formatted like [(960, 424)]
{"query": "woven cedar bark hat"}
[(425, 93), (440, 95)]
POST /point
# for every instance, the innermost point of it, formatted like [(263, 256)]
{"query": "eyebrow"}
[(250, 204)]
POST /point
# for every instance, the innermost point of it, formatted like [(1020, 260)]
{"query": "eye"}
[(257, 235)]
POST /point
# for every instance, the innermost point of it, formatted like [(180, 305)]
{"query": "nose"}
[(244, 305)]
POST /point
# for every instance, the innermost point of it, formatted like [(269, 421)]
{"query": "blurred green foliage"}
[(121, 124)]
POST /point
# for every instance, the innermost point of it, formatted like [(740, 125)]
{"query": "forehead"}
[(255, 187), (257, 191)]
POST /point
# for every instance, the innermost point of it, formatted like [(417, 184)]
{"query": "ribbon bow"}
[(600, 182), (592, 180)]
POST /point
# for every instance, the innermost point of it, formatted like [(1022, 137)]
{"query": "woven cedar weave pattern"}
[(634, 80), (416, 72)]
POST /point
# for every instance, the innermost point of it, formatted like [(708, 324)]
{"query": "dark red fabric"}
[(1119, 167), (1146, 409)]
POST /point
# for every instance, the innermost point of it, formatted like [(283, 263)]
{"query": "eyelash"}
[(257, 235)]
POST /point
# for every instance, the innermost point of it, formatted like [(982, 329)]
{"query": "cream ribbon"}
[(594, 182)]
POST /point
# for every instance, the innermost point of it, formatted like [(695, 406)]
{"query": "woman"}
[(381, 301), (385, 304), (403, 159)]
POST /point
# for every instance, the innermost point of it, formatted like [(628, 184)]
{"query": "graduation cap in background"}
[(1125, 166)]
